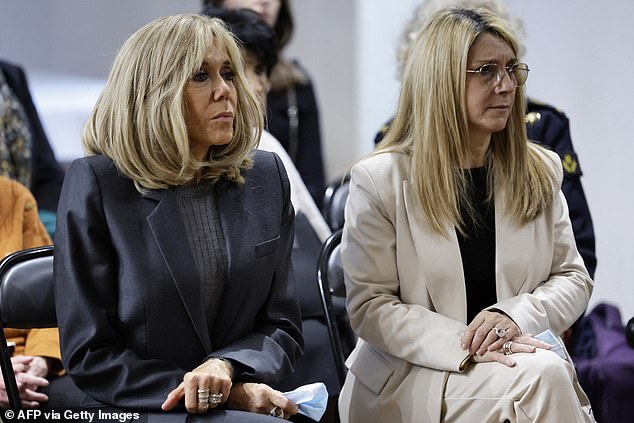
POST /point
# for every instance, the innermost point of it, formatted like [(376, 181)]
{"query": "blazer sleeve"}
[(410, 332), (562, 297), (269, 353), (86, 299)]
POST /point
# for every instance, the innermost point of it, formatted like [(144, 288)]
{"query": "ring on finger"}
[(507, 348), (215, 398), (276, 412), (203, 395), (501, 332)]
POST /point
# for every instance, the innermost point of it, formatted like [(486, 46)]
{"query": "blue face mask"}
[(311, 399), (556, 345)]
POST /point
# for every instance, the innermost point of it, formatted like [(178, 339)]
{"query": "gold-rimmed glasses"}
[(491, 74)]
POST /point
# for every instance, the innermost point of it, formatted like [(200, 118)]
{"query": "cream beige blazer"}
[(406, 290)]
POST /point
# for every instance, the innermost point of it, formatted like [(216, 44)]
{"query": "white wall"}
[(579, 51)]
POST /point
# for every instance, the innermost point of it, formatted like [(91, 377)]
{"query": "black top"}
[(477, 246), (303, 143)]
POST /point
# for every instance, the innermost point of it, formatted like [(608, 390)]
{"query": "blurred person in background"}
[(25, 153), (36, 356)]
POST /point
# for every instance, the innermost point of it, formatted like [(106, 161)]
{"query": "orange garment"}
[(20, 228)]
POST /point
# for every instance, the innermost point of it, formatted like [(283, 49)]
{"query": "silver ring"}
[(203, 395), (501, 332), (507, 348), (215, 398)]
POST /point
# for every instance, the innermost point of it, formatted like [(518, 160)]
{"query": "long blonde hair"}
[(139, 121), (427, 8), (431, 126)]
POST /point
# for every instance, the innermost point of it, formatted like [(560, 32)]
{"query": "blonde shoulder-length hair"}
[(431, 126), (139, 121)]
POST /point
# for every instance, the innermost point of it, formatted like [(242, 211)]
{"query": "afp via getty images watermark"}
[(70, 416)]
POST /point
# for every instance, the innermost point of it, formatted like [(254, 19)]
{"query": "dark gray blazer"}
[(128, 295)]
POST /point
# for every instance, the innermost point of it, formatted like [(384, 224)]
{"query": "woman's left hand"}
[(482, 333), (205, 387), (262, 399)]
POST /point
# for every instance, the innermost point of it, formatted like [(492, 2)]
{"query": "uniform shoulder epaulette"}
[(536, 109)]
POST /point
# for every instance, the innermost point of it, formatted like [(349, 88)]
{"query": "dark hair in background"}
[(253, 33), (283, 26)]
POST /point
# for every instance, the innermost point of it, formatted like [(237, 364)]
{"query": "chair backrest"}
[(333, 295), (334, 203), (26, 301), (26, 289)]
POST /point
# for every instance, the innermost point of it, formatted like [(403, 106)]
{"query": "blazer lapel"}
[(169, 233), (513, 250), (436, 254)]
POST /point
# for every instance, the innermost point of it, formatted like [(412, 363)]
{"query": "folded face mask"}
[(311, 399), (556, 345)]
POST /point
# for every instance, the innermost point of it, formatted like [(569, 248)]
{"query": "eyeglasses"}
[(491, 74)]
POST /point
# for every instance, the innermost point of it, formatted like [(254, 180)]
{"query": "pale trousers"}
[(541, 387)]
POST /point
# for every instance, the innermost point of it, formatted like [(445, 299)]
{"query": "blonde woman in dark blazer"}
[(173, 288), (457, 246)]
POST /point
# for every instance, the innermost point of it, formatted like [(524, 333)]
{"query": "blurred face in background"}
[(257, 74), (267, 9)]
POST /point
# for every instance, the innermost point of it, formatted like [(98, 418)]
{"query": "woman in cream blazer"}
[(420, 357)]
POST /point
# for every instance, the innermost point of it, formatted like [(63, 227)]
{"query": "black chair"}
[(333, 297), (26, 301), (334, 202), (316, 364)]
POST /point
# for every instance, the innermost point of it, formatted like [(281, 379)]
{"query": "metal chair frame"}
[(328, 248), (26, 312)]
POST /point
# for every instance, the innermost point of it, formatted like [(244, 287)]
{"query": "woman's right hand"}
[(212, 377), (262, 399), (519, 344)]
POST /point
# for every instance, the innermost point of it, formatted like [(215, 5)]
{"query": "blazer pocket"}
[(267, 247), (371, 369)]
